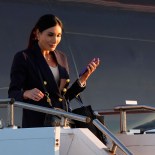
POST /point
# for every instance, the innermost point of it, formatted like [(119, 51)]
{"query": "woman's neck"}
[(45, 53), (51, 61)]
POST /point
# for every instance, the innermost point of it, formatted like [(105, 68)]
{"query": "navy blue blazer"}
[(25, 76)]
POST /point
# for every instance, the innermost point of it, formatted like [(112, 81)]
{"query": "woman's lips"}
[(53, 46)]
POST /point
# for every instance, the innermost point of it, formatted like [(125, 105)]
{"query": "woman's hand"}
[(33, 94), (90, 69)]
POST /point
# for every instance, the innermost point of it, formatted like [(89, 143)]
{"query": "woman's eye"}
[(59, 35), (52, 35)]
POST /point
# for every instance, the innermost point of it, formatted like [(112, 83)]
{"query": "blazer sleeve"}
[(17, 77), (74, 90)]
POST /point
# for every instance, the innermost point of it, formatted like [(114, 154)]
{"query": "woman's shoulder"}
[(19, 58), (22, 53)]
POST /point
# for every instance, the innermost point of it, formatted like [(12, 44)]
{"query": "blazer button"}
[(64, 90), (68, 80), (45, 83), (60, 99)]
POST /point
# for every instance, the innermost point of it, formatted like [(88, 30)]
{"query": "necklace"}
[(47, 56)]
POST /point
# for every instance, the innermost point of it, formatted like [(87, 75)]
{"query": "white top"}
[(55, 72)]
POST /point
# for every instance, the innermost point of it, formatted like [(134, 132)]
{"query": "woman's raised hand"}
[(91, 67)]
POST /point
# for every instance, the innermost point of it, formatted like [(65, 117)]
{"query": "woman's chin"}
[(52, 49)]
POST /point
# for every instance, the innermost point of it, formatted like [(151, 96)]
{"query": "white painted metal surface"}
[(50, 141), (141, 144), (32, 141), (66, 141), (80, 142)]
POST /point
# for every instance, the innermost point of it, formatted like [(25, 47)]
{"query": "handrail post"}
[(123, 126), (63, 122), (11, 113), (114, 148), (115, 140)]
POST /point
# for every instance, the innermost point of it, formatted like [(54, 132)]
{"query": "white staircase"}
[(50, 141), (140, 144), (80, 142)]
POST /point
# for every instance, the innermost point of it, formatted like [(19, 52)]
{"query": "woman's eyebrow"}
[(51, 32)]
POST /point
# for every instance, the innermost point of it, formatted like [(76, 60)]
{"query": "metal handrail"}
[(6, 100), (53, 112), (123, 111), (112, 112), (115, 140), (134, 107), (11, 103)]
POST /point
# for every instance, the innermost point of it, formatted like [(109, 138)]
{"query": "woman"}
[(40, 73)]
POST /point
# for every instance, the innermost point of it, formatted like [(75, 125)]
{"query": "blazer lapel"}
[(63, 78), (47, 74), (63, 70), (45, 71)]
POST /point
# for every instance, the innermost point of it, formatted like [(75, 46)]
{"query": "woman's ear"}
[(37, 34)]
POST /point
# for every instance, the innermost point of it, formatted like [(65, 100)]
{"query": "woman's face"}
[(49, 38)]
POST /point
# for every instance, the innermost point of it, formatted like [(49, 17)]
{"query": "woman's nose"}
[(54, 40)]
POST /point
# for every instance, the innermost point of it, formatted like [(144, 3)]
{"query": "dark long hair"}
[(44, 22)]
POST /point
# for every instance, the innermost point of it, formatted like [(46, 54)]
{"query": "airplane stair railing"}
[(116, 141), (123, 110), (11, 103)]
